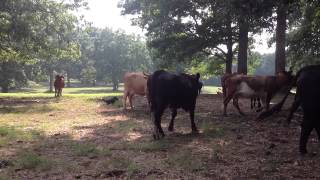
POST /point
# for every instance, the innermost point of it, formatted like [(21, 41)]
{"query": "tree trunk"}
[(68, 79), (229, 48), (280, 61), (5, 88), (243, 46), (51, 80), (115, 86)]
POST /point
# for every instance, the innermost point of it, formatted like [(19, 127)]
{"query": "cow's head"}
[(59, 78)]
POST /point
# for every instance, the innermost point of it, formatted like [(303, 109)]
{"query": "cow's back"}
[(171, 89), (135, 83)]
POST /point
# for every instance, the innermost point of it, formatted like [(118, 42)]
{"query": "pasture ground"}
[(79, 137)]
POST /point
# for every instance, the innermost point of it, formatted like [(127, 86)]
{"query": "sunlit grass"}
[(211, 89)]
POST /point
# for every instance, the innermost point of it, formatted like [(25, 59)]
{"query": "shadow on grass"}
[(26, 109), (26, 105), (92, 91)]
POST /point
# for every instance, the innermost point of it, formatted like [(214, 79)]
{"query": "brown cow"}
[(264, 87), (134, 83), (58, 85), (254, 100)]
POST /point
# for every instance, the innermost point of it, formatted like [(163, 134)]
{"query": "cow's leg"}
[(130, 100), (259, 103), (55, 92), (268, 99), (173, 115), (124, 100), (306, 128), (253, 103), (236, 104), (225, 104), (158, 132), (193, 125)]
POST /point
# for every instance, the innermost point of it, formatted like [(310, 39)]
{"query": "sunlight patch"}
[(133, 136)]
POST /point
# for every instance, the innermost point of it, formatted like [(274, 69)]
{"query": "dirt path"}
[(118, 145)]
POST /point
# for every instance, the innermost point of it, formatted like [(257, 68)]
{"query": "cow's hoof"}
[(158, 136)]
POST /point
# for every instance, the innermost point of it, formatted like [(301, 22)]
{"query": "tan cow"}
[(134, 83), (264, 87)]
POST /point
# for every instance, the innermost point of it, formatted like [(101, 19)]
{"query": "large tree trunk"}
[(68, 79), (280, 61), (243, 46), (229, 48), (115, 84), (51, 80)]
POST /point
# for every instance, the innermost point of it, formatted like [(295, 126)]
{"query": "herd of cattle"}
[(167, 90)]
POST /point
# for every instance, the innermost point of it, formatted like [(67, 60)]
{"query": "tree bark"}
[(280, 61), (243, 46), (229, 56), (68, 79), (51, 80)]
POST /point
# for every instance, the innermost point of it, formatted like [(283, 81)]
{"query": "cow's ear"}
[(198, 76)]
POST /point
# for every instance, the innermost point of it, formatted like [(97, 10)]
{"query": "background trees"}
[(180, 30), (39, 38)]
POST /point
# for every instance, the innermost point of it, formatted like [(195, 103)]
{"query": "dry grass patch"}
[(185, 160), (30, 160)]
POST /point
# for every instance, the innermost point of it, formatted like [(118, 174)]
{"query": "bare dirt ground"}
[(113, 144)]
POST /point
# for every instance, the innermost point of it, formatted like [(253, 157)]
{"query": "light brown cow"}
[(134, 83), (264, 87)]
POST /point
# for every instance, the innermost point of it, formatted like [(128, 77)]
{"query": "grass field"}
[(77, 136)]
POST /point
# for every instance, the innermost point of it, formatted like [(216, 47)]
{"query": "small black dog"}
[(110, 100)]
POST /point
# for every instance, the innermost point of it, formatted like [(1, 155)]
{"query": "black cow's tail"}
[(152, 88)]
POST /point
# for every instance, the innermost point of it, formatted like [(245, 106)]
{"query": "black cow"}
[(307, 95), (174, 91)]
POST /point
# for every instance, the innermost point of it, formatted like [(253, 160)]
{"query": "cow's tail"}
[(152, 88), (277, 107)]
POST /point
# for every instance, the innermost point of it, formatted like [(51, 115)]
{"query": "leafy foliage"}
[(304, 39)]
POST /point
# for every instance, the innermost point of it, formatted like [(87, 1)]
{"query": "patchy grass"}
[(211, 89), (210, 130), (161, 145), (9, 134), (185, 160), (85, 149), (30, 160)]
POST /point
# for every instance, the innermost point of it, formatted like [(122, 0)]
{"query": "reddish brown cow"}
[(58, 85), (264, 87), (134, 83), (226, 76)]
